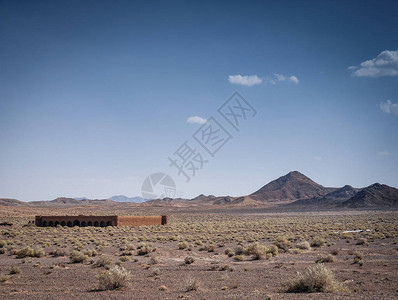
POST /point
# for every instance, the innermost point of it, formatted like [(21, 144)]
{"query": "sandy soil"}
[(207, 235)]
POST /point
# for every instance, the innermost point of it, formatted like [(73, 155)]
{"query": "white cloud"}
[(385, 64), (389, 108), (318, 158), (294, 79), (384, 153), (279, 77), (245, 80), (196, 120)]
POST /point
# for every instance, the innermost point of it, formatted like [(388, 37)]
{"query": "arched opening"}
[(44, 224), (56, 223), (51, 224), (76, 223), (89, 223), (69, 224), (63, 223), (109, 223), (102, 224), (83, 224), (96, 224)]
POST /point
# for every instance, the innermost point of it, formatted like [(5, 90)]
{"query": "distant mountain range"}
[(122, 198), (293, 190), (297, 190)]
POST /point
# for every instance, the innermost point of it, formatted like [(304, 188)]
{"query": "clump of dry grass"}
[(103, 261), (318, 241), (282, 243), (58, 253), (317, 279), (183, 245), (256, 250), (189, 260), (191, 284), (14, 270), (325, 259), (304, 245), (115, 278), (28, 251), (4, 278), (77, 257)]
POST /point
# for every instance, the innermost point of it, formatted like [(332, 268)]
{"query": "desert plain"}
[(202, 253)]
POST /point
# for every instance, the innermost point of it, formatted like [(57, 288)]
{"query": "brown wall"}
[(100, 221)]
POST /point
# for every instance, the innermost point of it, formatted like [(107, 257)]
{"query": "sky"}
[(95, 96)]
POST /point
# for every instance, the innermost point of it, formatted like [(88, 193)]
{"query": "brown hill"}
[(10, 202), (375, 195), (292, 186), (333, 198), (63, 201)]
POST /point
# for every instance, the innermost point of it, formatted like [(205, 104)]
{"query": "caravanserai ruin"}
[(99, 221)]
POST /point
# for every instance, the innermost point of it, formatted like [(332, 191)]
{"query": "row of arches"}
[(76, 223)]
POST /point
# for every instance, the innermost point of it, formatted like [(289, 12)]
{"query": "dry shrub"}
[(3, 244), (154, 260), (155, 272), (77, 257), (239, 258), (325, 259), (189, 260), (282, 243), (191, 284), (4, 278), (103, 261), (144, 249), (15, 270), (183, 245), (58, 253), (318, 241), (115, 278), (258, 251), (304, 245), (239, 250), (28, 251), (273, 250), (317, 279), (362, 241)]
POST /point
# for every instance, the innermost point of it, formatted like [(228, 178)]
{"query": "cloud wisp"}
[(247, 80), (196, 120), (250, 80), (276, 78), (385, 64), (384, 153), (389, 108)]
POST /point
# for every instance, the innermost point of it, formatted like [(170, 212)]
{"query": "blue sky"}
[(96, 95)]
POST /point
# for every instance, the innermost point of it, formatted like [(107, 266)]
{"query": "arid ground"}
[(200, 254)]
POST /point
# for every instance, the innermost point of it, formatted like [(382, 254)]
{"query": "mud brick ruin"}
[(99, 221)]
